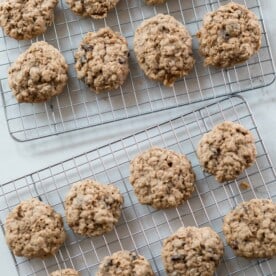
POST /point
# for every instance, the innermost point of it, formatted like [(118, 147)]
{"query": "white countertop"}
[(18, 159)]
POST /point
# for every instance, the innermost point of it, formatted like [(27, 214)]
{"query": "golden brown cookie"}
[(162, 178), (93, 209), (226, 151), (97, 9), (250, 229), (125, 263), (26, 19), (192, 251), (102, 60), (163, 48), (34, 229), (38, 74), (229, 35)]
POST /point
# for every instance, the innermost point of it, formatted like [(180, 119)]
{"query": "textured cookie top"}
[(25, 19), (34, 229), (226, 151), (65, 272), (96, 9), (102, 60), (92, 209), (163, 48), (229, 35), (125, 263), (38, 74), (162, 178), (250, 229), (192, 251)]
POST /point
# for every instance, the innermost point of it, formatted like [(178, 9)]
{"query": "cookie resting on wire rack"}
[(34, 229), (162, 178), (229, 36), (163, 48), (102, 60), (226, 151)]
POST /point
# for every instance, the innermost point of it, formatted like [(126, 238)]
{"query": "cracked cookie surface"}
[(125, 263), (162, 178), (34, 229), (102, 60), (226, 151), (250, 229), (163, 48), (25, 19), (97, 9), (65, 272), (192, 251), (229, 35), (93, 209), (38, 74)]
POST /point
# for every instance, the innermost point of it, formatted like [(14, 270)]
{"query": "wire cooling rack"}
[(142, 228), (78, 108)]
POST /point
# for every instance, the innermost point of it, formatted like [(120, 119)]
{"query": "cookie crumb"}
[(244, 185)]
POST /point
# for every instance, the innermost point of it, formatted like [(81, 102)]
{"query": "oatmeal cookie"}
[(96, 9), (226, 151), (34, 229), (102, 60), (125, 263), (26, 19), (163, 48), (250, 229), (162, 178), (93, 209), (38, 74), (65, 272), (192, 251), (229, 35)]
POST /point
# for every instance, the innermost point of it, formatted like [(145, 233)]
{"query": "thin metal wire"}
[(79, 108), (142, 228)]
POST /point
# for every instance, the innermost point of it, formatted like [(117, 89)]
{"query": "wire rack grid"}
[(77, 107), (142, 228)]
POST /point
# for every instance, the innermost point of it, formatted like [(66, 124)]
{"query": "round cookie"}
[(192, 251), (226, 151), (250, 229), (34, 229), (65, 272), (96, 9), (163, 48), (125, 263), (102, 60), (162, 178), (93, 209), (229, 35), (25, 19), (38, 74)]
